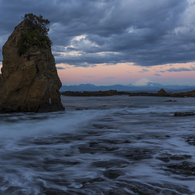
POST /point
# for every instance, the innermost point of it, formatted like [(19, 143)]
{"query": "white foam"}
[(61, 123)]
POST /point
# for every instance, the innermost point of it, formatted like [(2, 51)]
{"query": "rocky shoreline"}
[(160, 93)]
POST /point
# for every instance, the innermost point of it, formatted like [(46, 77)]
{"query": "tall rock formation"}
[(29, 82)]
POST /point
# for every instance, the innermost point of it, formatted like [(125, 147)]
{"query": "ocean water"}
[(116, 145)]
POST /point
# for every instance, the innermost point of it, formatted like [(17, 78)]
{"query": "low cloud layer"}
[(60, 68), (182, 69), (143, 70), (88, 33)]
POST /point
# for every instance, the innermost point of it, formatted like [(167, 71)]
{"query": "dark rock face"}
[(28, 83)]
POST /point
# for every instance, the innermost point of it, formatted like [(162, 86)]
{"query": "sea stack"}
[(29, 81)]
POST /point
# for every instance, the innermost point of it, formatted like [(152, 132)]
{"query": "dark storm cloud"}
[(91, 32)]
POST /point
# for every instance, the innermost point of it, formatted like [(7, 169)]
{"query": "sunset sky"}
[(106, 42)]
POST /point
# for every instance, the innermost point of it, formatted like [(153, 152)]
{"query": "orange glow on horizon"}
[(125, 73)]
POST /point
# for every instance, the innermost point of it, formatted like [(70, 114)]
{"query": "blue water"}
[(99, 145)]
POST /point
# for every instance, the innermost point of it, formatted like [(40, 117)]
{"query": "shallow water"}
[(100, 145)]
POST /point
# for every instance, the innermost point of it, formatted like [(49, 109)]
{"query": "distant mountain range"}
[(150, 87)]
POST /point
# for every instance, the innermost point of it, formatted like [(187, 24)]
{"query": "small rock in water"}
[(186, 168), (170, 101), (180, 157), (113, 174), (118, 192), (111, 163), (118, 141), (167, 157), (79, 109), (184, 114), (191, 140), (138, 154)]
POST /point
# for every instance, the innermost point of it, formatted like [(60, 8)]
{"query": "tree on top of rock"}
[(36, 34), (37, 22)]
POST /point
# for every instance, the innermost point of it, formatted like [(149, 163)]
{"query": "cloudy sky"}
[(107, 42)]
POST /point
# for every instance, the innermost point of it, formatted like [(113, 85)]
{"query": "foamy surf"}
[(105, 145)]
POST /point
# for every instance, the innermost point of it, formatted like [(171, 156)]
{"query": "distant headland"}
[(160, 93), (150, 87)]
